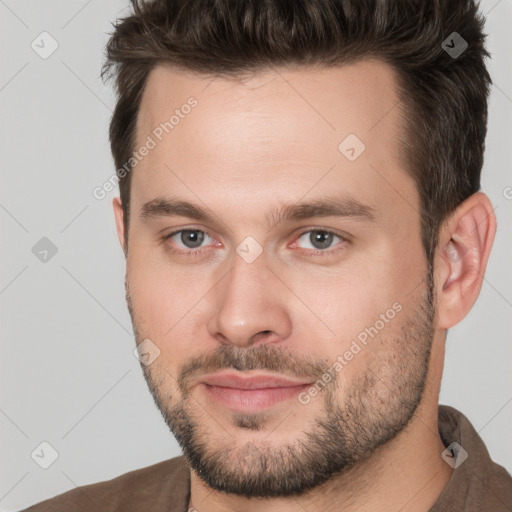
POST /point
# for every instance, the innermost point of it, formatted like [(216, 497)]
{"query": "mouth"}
[(251, 394)]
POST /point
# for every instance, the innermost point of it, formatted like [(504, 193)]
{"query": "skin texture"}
[(369, 440)]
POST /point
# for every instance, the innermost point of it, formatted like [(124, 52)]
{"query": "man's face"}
[(343, 301)]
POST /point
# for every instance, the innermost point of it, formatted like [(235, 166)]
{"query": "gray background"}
[(67, 372)]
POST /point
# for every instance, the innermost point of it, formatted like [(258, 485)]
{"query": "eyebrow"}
[(161, 207)]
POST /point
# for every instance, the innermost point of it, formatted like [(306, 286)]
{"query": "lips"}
[(230, 380), (251, 394)]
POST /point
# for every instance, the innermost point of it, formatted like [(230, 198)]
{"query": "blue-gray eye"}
[(192, 238), (319, 239)]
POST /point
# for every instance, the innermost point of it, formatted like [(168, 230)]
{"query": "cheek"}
[(361, 305), (156, 298), (166, 303), (349, 299)]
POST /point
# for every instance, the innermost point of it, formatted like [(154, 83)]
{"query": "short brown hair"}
[(444, 95)]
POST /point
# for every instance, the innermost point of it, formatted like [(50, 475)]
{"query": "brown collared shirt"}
[(477, 484)]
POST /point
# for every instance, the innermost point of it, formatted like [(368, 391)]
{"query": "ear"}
[(465, 242), (119, 216)]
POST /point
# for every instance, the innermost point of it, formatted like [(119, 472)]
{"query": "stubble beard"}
[(373, 410)]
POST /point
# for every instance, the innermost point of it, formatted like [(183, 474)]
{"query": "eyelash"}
[(196, 253)]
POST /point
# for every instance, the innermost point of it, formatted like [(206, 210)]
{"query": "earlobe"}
[(119, 218), (465, 242)]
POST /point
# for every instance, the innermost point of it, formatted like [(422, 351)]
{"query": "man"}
[(302, 223)]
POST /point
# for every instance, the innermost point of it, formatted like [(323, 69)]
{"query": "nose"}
[(251, 307)]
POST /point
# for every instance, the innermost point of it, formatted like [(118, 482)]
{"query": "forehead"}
[(346, 99), (283, 131)]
